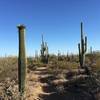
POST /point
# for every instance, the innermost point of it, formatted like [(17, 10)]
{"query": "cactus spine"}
[(82, 47), (21, 59), (44, 51)]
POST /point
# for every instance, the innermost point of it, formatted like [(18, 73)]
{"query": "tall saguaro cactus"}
[(21, 59), (42, 47), (82, 48), (59, 55), (44, 51)]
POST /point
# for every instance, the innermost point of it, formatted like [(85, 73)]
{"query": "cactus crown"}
[(21, 26)]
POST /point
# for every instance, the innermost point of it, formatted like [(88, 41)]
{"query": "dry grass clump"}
[(8, 68), (9, 90), (8, 78)]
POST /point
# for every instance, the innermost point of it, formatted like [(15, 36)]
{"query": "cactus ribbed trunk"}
[(21, 59), (79, 54), (44, 52), (82, 47)]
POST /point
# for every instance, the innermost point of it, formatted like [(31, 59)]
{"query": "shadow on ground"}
[(66, 96), (53, 94)]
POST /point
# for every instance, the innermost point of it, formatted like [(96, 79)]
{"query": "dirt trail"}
[(37, 82), (39, 88)]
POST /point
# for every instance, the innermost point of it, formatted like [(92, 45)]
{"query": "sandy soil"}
[(37, 85)]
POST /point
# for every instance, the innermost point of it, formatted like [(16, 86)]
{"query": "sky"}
[(59, 20)]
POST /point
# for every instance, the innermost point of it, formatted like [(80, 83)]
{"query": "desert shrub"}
[(97, 64), (8, 67)]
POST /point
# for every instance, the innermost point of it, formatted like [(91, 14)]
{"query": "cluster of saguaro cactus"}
[(36, 55), (21, 59), (59, 55), (82, 48), (68, 57), (91, 51), (44, 51)]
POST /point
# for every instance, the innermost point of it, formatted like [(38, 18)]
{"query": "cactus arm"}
[(80, 58), (81, 31), (85, 43)]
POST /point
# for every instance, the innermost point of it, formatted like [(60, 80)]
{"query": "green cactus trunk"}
[(82, 48), (44, 52), (21, 60), (80, 55)]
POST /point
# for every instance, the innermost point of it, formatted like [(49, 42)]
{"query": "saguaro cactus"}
[(44, 51), (91, 51), (36, 55), (59, 55), (21, 59), (82, 48)]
